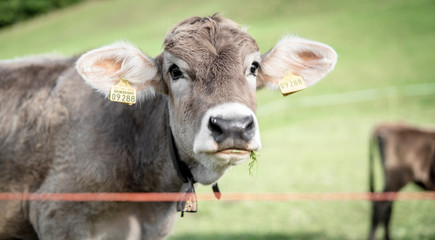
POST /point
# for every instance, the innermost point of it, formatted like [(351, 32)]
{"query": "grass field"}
[(313, 141)]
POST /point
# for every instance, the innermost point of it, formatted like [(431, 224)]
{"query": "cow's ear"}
[(309, 59), (106, 66)]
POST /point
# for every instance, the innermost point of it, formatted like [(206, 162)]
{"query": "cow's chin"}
[(212, 166)]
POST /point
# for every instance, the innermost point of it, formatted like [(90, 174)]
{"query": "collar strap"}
[(183, 170), (184, 174)]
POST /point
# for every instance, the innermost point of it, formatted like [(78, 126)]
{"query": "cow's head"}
[(210, 69)]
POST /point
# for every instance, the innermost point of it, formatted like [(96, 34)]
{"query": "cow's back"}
[(409, 150), (30, 112)]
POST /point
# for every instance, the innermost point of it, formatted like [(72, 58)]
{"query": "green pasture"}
[(313, 141)]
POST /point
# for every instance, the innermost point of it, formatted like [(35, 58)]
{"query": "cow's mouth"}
[(233, 156), (234, 151)]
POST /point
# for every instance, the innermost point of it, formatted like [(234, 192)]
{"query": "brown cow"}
[(195, 119), (407, 155)]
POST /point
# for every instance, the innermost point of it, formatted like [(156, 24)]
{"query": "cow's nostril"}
[(249, 123), (215, 127), (235, 129)]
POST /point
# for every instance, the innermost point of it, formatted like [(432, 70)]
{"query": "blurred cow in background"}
[(407, 155)]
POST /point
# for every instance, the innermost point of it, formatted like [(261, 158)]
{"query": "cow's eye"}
[(175, 72), (254, 67)]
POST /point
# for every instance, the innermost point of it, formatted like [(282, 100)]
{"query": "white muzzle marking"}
[(204, 141)]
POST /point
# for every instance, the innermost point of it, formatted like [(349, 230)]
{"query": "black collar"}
[(183, 170), (184, 174)]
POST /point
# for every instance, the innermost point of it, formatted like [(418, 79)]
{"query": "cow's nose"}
[(242, 128)]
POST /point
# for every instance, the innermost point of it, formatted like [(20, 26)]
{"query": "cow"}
[(407, 155), (196, 103)]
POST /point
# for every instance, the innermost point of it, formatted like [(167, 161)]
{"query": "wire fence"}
[(341, 98), (234, 197)]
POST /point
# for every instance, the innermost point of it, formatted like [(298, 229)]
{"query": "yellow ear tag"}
[(122, 92), (291, 83)]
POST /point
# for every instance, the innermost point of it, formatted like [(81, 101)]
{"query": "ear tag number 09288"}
[(122, 92), (291, 83)]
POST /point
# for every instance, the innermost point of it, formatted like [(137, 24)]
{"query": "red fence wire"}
[(170, 197)]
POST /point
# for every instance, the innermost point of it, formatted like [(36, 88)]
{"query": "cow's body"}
[(58, 134), (70, 139), (407, 155)]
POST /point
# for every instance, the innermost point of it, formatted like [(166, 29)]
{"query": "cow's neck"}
[(153, 171), (183, 172), (181, 167)]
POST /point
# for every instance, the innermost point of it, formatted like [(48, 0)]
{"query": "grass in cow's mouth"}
[(253, 165), (236, 151)]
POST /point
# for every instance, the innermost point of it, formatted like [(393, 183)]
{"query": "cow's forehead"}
[(203, 42)]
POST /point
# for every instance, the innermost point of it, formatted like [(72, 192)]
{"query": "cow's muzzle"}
[(229, 131)]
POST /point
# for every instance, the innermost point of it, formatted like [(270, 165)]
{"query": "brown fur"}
[(215, 47), (408, 155), (58, 134)]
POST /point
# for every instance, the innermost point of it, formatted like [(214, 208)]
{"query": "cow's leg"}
[(389, 207), (375, 220), (379, 215), (82, 220), (377, 207), (60, 220), (102, 220), (395, 179)]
